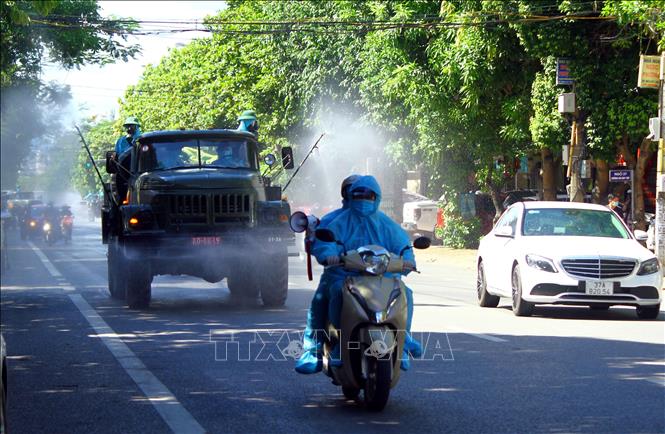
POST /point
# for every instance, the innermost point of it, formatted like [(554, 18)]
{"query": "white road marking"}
[(42, 257), (166, 404), (477, 335)]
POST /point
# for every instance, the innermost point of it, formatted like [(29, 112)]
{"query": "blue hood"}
[(370, 183)]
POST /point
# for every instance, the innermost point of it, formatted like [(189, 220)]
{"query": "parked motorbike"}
[(66, 225), (373, 322)]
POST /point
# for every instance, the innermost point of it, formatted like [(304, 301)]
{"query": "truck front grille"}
[(208, 209), (599, 268)]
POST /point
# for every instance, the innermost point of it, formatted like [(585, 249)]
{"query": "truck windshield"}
[(221, 153)]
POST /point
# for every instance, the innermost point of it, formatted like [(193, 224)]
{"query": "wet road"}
[(196, 361)]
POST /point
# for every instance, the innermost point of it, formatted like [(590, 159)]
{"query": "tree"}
[(100, 136)]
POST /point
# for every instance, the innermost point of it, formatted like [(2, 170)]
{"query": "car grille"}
[(208, 209), (599, 268)]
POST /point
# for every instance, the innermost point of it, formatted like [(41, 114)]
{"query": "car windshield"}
[(572, 222), (223, 153)]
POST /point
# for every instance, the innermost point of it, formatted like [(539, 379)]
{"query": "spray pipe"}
[(303, 161), (85, 145)]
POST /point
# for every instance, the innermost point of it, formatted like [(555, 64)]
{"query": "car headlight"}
[(376, 264), (649, 266), (47, 227), (541, 263)]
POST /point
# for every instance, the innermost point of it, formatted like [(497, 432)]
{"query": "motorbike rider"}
[(132, 130), (310, 361), (362, 224)]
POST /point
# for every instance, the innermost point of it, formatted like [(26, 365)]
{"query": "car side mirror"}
[(111, 162), (640, 235), (287, 157), (422, 243), (505, 231)]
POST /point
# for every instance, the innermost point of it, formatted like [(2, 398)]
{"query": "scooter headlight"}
[(376, 264), (47, 227)]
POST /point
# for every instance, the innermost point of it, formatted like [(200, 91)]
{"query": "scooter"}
[(51, 232), (66, 225), (373, 322)]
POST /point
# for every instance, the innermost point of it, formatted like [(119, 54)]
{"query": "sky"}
[(96, 89)]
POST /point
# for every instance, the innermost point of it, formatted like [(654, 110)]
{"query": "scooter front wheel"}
[(377, 384)]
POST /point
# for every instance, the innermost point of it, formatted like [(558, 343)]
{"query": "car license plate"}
[(206, 241), (598, 287)]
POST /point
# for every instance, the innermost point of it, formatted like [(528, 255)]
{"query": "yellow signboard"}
[(649, 74)]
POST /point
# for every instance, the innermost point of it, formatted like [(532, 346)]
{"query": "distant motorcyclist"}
[(132, 131), (363, 224), (310, 361)]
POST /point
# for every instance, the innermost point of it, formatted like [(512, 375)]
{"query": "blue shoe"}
[(309, 362), (335, 358), (405, 363), (413, 346)]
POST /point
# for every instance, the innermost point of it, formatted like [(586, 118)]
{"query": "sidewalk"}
[(445, 255)]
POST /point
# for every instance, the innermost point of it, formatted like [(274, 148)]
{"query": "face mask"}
[(614, 204), (363, 207)]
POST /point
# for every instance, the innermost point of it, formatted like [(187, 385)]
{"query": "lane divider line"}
[(42, 257), (167, 405)]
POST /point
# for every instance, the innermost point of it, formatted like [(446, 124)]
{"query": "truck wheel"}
[(275, 280), (241, 283), (138, 280), (114, 266)]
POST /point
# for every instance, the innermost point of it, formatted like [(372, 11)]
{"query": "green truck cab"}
[(194, 202)]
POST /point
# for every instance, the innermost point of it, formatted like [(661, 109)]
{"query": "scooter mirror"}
[(422, 243), (325, 235), (298, 221)]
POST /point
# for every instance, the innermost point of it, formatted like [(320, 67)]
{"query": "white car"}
[(419, 214), (566, 253)]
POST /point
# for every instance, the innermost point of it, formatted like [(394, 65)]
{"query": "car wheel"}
[(520, 307), (485, 299), (600, 306), (648, 312)]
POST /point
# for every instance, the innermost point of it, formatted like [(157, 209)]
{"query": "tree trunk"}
[(575, 189), (549, 178), (602, 182), (495, 193), (643, 156)]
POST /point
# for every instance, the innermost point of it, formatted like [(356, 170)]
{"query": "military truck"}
[(194, 202)]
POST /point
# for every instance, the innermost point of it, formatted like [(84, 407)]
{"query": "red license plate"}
[(206, 241)]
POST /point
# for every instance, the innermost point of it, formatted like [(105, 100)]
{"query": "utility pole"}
[(660, 183)]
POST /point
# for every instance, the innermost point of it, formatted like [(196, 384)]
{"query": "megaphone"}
[(298, 222)]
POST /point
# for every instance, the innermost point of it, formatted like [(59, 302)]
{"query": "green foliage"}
[(459, 233), (31, 28)]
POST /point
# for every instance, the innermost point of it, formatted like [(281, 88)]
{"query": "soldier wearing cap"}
[(131, 126), (248, 122)]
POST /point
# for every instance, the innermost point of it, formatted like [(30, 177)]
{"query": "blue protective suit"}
[(122, 144), (361, 224), (310, 361)]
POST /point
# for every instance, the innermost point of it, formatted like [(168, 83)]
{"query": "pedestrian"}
[(615, 205)]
